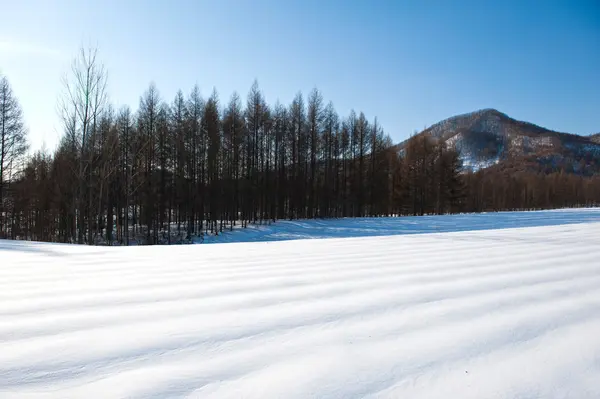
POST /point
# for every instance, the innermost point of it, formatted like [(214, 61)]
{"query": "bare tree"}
[(83, 100), (13, 141), (315, 120), (148, 122), (233, 131)]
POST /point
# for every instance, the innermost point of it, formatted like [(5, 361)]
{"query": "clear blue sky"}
[(411, 63)]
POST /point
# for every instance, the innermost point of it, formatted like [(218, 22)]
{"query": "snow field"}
[(511, 313), (372, 227)]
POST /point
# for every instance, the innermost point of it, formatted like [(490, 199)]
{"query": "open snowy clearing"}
[(371, 227), (511, 313)]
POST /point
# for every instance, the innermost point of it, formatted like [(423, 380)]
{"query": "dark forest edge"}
[(173, 171)]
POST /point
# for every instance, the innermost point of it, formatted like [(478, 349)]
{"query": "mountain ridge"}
[(489, 138)]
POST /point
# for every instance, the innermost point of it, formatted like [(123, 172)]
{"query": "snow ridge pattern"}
[(367, 227), (512, 313)]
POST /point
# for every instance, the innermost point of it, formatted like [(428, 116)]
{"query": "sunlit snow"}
[(363, 227), (506, 313)]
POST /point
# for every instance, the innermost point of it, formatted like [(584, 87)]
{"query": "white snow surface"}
[(363, 227), (508, 313)]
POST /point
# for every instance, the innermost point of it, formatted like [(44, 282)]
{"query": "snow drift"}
[(508, 313)]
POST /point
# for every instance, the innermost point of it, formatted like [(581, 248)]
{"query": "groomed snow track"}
[(509, 313)]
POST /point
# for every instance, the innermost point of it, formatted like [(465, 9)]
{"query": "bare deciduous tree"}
[(13, 141), (84, 98)]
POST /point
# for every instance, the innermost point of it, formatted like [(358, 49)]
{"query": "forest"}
[(174, 170)]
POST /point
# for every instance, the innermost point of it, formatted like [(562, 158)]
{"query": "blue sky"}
[(410, 63)]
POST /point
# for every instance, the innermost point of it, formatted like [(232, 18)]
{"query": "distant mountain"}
[(490, 138)]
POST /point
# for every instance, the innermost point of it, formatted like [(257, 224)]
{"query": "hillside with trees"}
[(488, 137), (177, 168)]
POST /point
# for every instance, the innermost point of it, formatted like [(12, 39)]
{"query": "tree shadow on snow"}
[(27, 246)]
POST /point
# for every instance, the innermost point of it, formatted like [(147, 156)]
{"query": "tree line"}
[(173, 171)]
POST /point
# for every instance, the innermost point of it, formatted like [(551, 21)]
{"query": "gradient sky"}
[(410, 63)]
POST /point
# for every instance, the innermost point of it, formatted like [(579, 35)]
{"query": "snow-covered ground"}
[(365, 227), (511, 313)]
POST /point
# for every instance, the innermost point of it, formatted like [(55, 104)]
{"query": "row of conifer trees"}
[(173, 170)]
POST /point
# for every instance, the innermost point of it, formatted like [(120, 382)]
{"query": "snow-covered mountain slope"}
[(489, 137), (510, 313)]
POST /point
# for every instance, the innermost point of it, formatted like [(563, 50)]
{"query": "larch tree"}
[(179, 154), (82, 102), (13, 142), (314, 120), (297, 119), (233, 132), (212, 126), (255, 123), (149, 121), (127, 164), (195, 145), (329, 136)]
